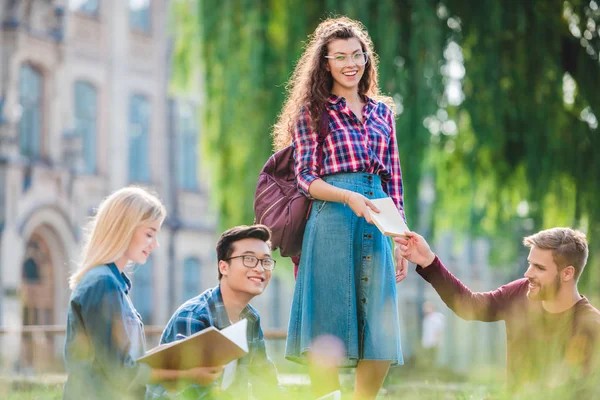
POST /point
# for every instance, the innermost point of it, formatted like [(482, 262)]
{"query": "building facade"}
[(84, 110)]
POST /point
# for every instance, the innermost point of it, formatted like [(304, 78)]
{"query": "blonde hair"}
[(569, 247), (110, 231)]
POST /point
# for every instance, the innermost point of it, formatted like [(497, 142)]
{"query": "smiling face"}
[(543, 275), (345, 77), (239, 278), (143, 242)]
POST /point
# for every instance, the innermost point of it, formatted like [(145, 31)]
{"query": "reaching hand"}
[(360, 204), (401, 264), (415, 249)]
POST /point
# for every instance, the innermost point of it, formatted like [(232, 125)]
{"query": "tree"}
[(515, 156)]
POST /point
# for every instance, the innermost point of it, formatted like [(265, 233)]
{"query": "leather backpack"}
[(279, 204)]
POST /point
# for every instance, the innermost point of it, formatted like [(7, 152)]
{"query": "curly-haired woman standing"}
[(346, 286)]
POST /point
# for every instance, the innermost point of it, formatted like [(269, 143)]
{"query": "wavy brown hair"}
[(310, 85)]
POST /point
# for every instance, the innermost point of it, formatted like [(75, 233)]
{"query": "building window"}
[(31, 272), (86, 119), (30, 125), (84, 6), (139, 15), (139, 128), (191, 278), (187, 136), (141, 290)]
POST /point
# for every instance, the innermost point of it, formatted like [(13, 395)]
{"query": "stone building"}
[(85, 109)]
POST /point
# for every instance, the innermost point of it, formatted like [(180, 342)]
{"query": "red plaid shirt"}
[(351, 146)]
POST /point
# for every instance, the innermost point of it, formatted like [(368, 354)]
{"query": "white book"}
[(208, 348), (388, 220)]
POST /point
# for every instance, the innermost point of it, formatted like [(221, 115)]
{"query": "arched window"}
[(187, 136), (139, 128), (30, 125), (86, 119), (141, 290), (140, 15), (191, 278)]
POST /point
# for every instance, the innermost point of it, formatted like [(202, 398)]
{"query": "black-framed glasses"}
[(341, 60), (252, 261)]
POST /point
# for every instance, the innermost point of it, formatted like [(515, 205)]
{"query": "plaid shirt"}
[(256, 368), (351, 146)]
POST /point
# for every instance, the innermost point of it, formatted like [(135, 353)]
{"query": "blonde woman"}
[(105, 333)]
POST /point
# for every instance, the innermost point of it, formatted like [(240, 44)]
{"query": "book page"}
[(228, 374), (237, 334), (388, 220), (207, 348)]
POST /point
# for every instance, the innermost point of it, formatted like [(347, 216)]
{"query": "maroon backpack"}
[(279, 204)]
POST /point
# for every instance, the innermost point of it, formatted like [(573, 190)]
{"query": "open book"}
[(389, 220), (208, 348)]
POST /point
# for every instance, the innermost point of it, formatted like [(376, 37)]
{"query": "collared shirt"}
[(255, 368), (105, 336), (351, 146)]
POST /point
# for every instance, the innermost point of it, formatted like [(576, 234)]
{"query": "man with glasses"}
[(244, 266)]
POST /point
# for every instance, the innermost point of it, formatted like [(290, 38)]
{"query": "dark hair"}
[(237, 233)]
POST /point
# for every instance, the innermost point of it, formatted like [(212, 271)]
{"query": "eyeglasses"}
[(341, 60), (251, 262)]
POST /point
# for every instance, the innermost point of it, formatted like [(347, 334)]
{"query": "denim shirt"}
[(255, 368), (105, 336)]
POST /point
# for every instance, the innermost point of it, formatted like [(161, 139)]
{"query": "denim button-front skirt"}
[(346, 281)]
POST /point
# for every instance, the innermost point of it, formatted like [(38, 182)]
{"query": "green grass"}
[(409, 386), (31, 392)]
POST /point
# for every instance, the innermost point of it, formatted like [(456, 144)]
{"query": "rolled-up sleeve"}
[(106, 320), (394, 187), (305, 142)]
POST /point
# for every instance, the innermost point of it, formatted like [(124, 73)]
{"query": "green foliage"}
[(521, 141), (248, 50), (522, 138)]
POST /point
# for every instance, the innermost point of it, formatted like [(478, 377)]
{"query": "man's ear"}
[(224, 267), (568, 273)]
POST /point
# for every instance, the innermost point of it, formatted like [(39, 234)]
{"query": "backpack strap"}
[(323, 133)]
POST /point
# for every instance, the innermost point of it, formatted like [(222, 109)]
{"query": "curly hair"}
[(311, 83)]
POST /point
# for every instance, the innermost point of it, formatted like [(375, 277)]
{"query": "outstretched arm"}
[(482, 306)]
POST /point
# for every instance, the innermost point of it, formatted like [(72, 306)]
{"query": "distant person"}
[(244, 266), (346, 283), (105, 334), (552, 331), (433, 328)]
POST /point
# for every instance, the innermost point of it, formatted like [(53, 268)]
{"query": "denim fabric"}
[(105, 336), (346, 282), (255, 368)]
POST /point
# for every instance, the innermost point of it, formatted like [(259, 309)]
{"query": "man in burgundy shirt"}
[(551, 330)]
